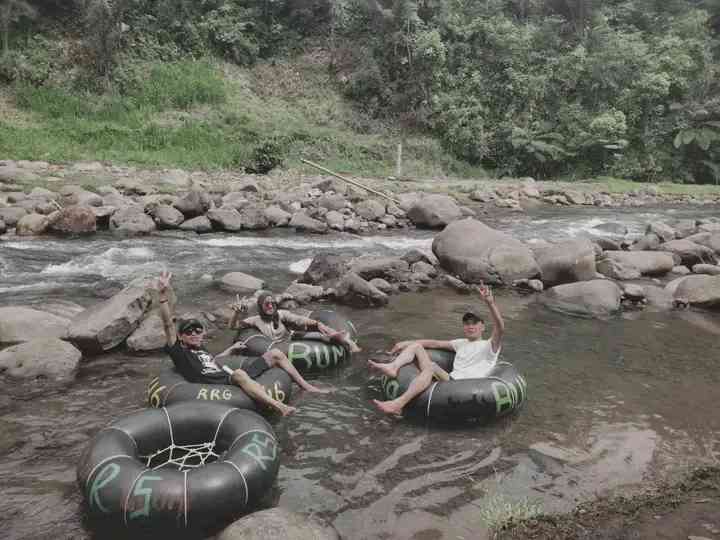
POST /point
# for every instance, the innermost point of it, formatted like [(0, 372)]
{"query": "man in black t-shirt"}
[(195, 364)]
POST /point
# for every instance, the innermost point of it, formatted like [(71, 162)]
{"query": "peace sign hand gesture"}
[(485, 292)]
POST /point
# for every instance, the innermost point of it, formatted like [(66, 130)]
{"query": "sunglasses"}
[(197, 330)]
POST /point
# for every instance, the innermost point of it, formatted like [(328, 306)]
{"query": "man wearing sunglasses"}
[(196, 364)]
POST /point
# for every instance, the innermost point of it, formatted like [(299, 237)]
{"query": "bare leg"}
[(343, 338), (406, 356), (417, 386), (257, 392), (275, 357)]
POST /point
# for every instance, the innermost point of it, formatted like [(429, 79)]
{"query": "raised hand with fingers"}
[(239, 305), (485, 292)]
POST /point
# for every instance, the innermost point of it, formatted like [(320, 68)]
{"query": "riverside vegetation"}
[(556, 89)]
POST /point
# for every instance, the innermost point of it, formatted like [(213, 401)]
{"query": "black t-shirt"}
[(196, 365)]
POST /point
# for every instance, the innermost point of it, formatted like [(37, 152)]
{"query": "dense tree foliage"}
[(551, 88)]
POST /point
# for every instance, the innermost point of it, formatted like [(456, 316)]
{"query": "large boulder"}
[(73, 220), (240, 283), (31, 225), (304, 223), (277, 217), (475, 252), (167, 217), (303, 292), (596, 298), (254, 218), (434, 211), (131, 221), (277, 523), (200, 224), (370, 267), (81, 197), (354, 290), (48, 357), (18, 324), (332, 202), (235, 200), (689, 252), (711, 240), (149, 336), (194, 203), (566, 262), (414, 255), (371, 210), (662, 230), (648, 263), (12, 214), (107, 324), (225, 219), (617, 269), (699, 290), (325, 267)]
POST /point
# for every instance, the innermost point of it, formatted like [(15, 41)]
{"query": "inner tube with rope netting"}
[(190, 466), (309, 351), (483, 400)]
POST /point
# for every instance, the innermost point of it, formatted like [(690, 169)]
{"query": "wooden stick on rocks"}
[(352, 182)]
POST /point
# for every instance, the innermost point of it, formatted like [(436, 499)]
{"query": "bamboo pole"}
[(352, 182)]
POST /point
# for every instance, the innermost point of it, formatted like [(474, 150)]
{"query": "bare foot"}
[(352, 346), (286, 410), (385, 369), (388, 407)]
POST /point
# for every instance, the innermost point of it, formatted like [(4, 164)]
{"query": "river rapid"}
[(613, 405)]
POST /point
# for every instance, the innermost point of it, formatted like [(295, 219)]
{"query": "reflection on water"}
[(612, 404)]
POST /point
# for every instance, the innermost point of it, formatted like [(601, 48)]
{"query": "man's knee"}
[(273, 356)]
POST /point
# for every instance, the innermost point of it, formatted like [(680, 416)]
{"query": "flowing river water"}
[(613, 404)]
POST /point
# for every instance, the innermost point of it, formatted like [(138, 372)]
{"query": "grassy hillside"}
[(209, 115)]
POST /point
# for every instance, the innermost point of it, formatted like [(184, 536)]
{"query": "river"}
[(613, 405)]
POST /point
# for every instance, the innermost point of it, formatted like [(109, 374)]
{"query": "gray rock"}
[(657, 298), (200, 224), (596, 298), (61, 308), (31, 225), (225, 219), (254, 218), (277, 217), (708, 269), (167, 217), (685, 228), (325, 267), (332, 202), (82, 197), (236, 200), (680, 270), (15, 197), (304, 293), (699, 290), (607, 244), (617, 269), (424, 268), (335, 220), (648, 263), (419, 254), (195, 203), (277, 523), (634, 293), (42, 193), (73, 220), (709, 227), (394, 210), (483, 195), (107, 324), (19, 324), (369, 267), (370, 209), (12, 214), (382, 285), (662, 230), (475, 252), (149, 335), (239, 282), (117, 200), (130, 221), (566, 262), (354, 290), (50, 358), (689, 252), (649, 242), (434, 211), (534, 285), (302, 222), (455, 283), (134, 186)]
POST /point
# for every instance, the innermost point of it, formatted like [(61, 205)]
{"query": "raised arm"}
[(498, 323), (239, 307), (164, 288)]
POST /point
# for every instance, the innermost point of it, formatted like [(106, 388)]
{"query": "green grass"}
[(197, 114)]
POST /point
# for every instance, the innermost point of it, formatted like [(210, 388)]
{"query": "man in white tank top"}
[(474, 357)]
